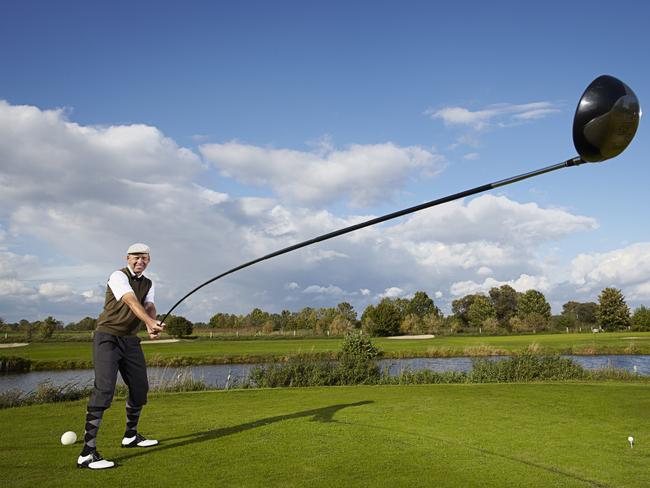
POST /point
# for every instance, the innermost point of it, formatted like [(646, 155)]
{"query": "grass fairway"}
[(242, 351), (497, 435)]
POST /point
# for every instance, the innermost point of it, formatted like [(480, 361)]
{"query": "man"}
[(129, 303)]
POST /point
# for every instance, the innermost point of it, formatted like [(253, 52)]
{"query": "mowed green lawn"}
[(497, 435), (241, 350)]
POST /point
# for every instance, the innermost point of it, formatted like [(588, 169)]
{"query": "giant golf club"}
[(604, 124)]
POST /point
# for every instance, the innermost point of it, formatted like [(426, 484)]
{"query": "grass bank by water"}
[(71, 355)]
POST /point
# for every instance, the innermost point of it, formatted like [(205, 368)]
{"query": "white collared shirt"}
[(119, 284)]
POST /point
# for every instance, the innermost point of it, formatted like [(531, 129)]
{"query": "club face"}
[(606, 119)]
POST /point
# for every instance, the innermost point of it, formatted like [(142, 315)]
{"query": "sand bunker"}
[(423, 336), (13, 344), (161, 341)]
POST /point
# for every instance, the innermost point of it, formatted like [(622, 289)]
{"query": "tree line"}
[(502, 310)]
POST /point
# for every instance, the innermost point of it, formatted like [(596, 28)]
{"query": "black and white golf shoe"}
[(94, 460), (138, 440)]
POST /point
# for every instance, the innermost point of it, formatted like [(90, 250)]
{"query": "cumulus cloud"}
[(55, 291), (324, 290), (360, 174), (521, 284), (504, 113), (49, 159), (627, 268), (492, 219), (392, 292), (80, 195)]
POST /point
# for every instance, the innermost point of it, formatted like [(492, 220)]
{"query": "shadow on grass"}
[(325, 414)]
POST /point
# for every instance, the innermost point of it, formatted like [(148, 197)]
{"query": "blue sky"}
[(217, 133)]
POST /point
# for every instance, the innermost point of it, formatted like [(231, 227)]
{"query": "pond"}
[(222, 376)]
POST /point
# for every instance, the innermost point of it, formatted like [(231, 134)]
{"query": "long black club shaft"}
[(479, 189)]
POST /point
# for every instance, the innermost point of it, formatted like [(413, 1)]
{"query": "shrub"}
[(178, 326), (357, 360), (356, 365), (300, 370), (525, 367)]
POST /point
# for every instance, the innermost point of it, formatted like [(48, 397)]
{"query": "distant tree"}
[(178, 326), (325, 317), (613, 312), (587, 312), (27, 328), (533, 302), (412, 324), (257, 318), (347, 312), (47, 327), (460, 307), (402, 306), (422, 305), (267, 327), (220, 321), (306, 319), (452, 323), (564, 321), (491, 325), (641, 319), (504, 301), (580, 313), (286, 320), (480, 310), (382, 320), (341, 325), (87, 323), (434, 323)]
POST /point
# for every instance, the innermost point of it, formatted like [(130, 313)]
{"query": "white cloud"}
[(324, 290), (392, 292), (93, 296), (109, 187), (473, 156), (521, 284), (504, 113), (56, 291), (627, 268), (492, 219), (360, 174)]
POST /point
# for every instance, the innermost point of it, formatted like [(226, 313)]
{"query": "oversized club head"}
[(606, 119)]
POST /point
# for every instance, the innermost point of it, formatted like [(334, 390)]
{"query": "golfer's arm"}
[(150, 308), (132, 301)]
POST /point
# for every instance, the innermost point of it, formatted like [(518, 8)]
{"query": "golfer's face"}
[(137, 262)]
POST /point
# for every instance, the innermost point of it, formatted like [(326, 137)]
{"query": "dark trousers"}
[(116, 353)]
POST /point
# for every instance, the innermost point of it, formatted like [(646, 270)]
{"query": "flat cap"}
[(138, 248)]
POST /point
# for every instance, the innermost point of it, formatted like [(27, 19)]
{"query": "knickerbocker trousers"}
[(111, 354)]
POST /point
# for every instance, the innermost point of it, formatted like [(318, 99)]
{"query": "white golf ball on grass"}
[(68, 438)]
